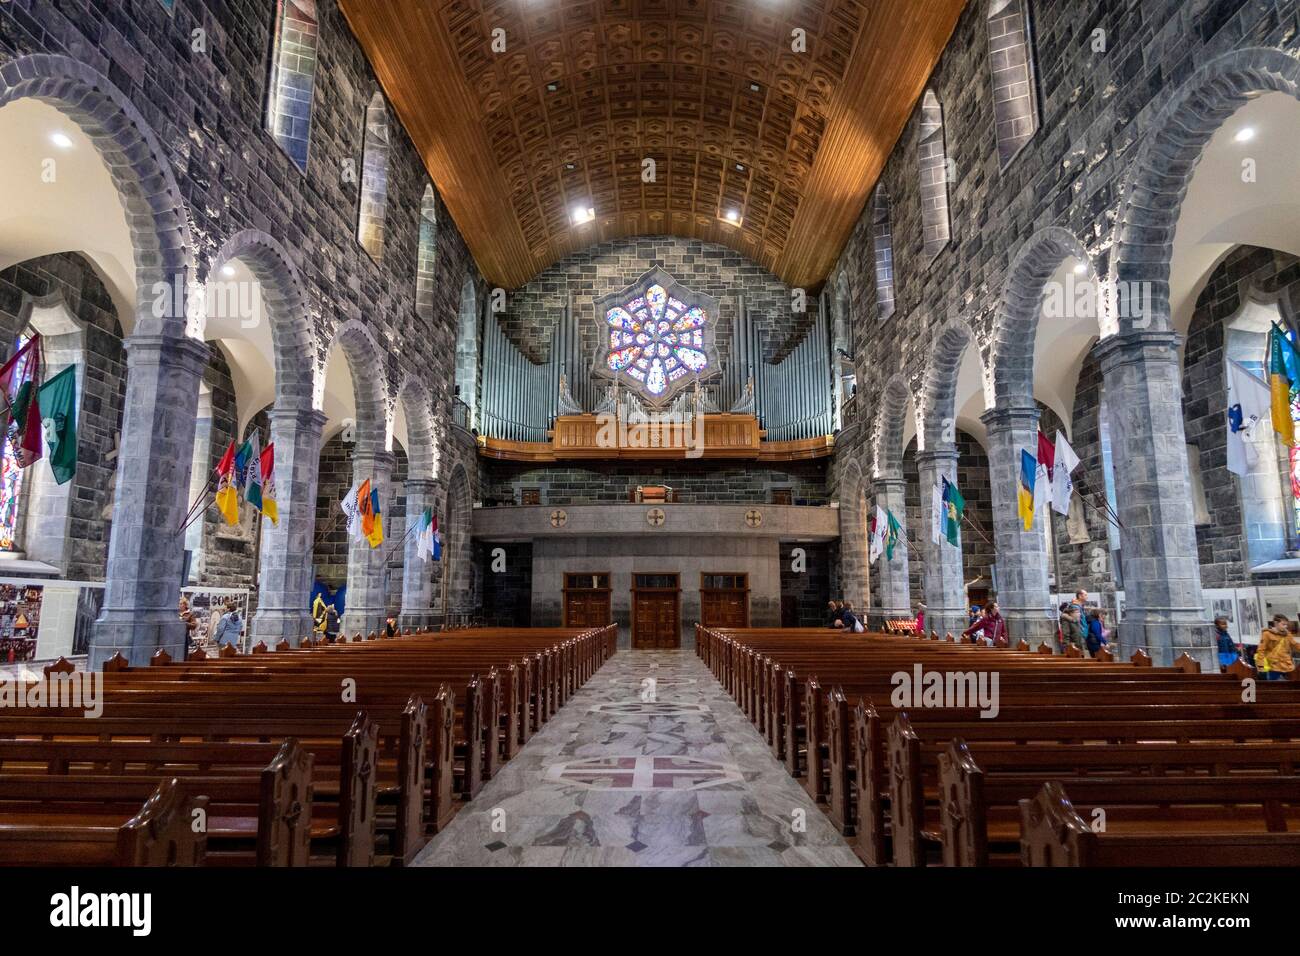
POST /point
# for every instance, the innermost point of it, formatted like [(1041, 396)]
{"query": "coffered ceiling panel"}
[(528, 110)]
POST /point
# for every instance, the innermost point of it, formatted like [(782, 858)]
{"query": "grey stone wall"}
[(103, 387), (806, 594), (532, 310), (507, 594), (693, 482)]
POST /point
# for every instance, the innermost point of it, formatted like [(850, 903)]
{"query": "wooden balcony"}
[(591, 437)]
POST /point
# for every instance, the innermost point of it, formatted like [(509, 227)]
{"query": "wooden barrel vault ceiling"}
[(790, 143)]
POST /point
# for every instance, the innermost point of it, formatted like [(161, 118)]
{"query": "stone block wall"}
[(702, 482)]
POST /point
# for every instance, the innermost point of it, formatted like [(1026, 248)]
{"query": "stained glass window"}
[(655, 339), (11, 475)]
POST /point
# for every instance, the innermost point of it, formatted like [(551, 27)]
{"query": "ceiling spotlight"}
[(581, 214), (740, 167), (733, 215), (755, 88), (1245, 134), (570, 165), (61, 140), (552, 87)]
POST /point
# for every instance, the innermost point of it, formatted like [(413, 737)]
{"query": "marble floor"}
[(649, 764)]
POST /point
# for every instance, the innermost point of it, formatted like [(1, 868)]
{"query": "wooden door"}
[(586, 599), (656, 611), (724, 600)]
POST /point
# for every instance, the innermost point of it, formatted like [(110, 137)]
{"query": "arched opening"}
[(372, 217), (1011, 63), (932, 163), (426, 255), (882, 244), (467, 332), (296, 36)]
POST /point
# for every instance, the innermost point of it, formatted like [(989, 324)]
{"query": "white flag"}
[(938, 516), (352, 512), (1062, 483), (1044, 488), (877, 542), (1249, 402)]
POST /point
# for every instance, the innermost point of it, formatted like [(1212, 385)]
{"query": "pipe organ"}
[(793, 399), (520, 397)]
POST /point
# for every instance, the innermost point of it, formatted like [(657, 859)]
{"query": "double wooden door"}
[(724, 600), (586, 599), (656, 611)]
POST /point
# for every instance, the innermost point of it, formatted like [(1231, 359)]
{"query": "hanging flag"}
[(1028, 471), (13, 374), (58, 398), (424, 535), (227, 493), (246, 455), (375, 536), (437, 540), (1279, 383), (1062, 484), (892, 532), (876, 540), (351, 508), (954, 508), (366, 505), (938, 514), (1043, 474), (252, 470), (269, 506), (1249, 403), (26, 411)]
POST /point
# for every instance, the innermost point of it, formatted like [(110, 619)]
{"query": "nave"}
[(615, 780)]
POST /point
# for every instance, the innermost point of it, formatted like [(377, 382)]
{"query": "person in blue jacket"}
[(1227, 647), (1098, 637)]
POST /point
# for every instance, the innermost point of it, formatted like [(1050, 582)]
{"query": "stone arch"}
[(1015, 325), (939, 393), (417, 404), (1153, 190), (853, 534), (457, 568), (891, 427), (285, 302), (137, 164), (365, 363)]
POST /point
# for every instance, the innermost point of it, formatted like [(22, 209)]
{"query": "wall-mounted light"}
[(1080, 268), (61, 140), (581, 214), (228, 271), (1245, 134)]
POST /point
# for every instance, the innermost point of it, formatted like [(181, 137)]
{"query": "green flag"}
[(891, 536), (955, 505), (58, 404)]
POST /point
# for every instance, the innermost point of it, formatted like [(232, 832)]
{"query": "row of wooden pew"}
[(1086, 762), (347, 754)]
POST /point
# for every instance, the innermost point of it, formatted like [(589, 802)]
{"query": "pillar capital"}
[(1138, 346), (422, 486), (377, 460), (312, 419), (938, 457), (889, 484), (1011, 418), (177, 352)]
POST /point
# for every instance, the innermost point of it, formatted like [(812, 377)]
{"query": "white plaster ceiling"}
[(60, 198)]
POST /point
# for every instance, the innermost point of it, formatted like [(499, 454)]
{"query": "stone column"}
[(1023, 591), (285, 579), (892, 587), (146, 546), (941, 576), (1162, 576), (367, 599), (417, 572)]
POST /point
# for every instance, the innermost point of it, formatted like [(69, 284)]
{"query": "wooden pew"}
[(160, 833)]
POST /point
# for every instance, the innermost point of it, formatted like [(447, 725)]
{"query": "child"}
[(1276, 647), (1228, 651)]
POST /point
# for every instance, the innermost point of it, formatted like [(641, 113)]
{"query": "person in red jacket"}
[(991, 627)]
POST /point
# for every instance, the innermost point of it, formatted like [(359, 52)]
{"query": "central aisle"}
[(614, 780)]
